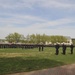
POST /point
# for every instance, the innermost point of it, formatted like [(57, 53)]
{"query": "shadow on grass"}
[(18, 64)]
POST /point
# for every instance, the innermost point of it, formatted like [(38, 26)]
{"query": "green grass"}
[(25, 60)]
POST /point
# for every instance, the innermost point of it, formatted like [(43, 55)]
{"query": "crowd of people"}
[(57, 46), (64, 46), (40, 46)]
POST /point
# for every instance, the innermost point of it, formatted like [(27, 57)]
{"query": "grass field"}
[(25, 60)]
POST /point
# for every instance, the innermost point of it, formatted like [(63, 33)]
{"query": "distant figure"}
[(42, 48), (57, 48), (39, 48), (71, 46), (64, 49)]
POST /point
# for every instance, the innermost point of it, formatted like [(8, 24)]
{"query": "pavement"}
[(62, 70)]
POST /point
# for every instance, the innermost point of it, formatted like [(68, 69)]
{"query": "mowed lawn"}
[(25, 60)]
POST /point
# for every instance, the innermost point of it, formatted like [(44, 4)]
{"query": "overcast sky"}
[(51, 17)]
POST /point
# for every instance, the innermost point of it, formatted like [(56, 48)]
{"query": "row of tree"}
[(34, 38)]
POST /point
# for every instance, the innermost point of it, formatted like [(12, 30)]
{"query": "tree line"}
[(34, 38)]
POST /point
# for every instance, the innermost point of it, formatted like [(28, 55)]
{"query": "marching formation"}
[(64, 46), (40, 47)]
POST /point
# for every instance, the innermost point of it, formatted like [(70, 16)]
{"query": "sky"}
[(50, 17)]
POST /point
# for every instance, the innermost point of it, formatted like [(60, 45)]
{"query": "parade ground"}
[(62, 70), (16, 61)]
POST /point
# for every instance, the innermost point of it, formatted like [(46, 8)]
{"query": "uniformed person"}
[(42, 48), (39, 48), (72, 46), (64, 49), (57, 48)]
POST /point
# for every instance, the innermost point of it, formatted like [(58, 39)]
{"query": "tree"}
[(36, 39), (59, 39), (9, 38), (33, 38), (22, 40), (44, 38), (14, 37)]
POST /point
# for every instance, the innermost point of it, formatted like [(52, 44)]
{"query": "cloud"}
[(17, 19), (53, 23), (13, 4), (56, 4), (41, 28), (65, 31), (22, 16)]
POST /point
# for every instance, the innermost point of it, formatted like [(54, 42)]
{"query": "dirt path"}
[(62, 70)]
